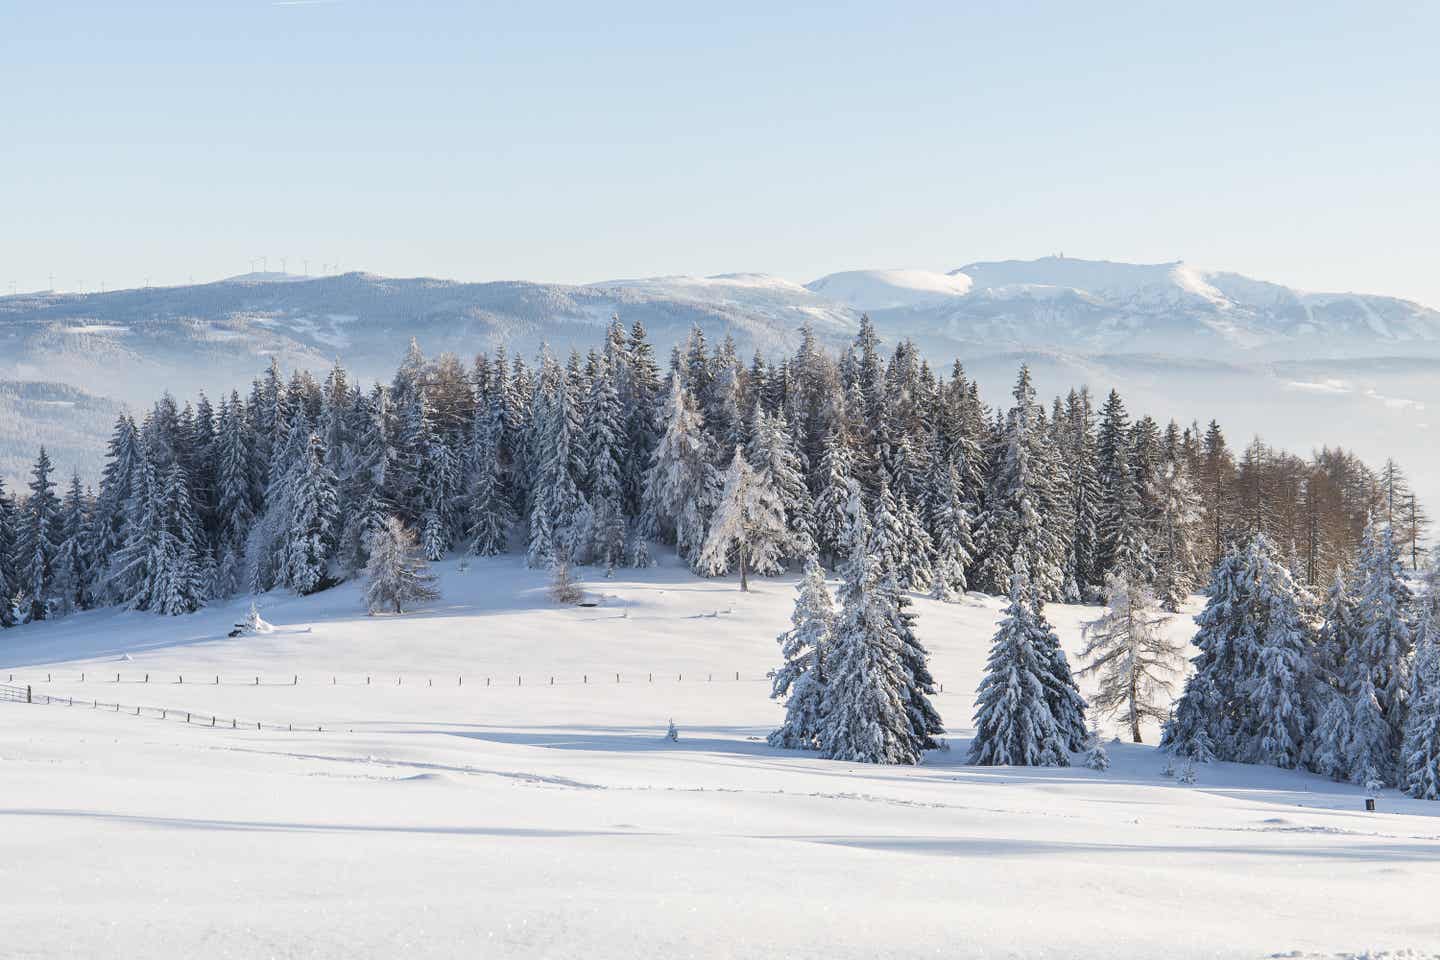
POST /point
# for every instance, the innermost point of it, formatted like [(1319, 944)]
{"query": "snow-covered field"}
[(435, 817)]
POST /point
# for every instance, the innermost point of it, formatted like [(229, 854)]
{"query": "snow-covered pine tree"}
[(183, 575), (1276, 695), (954, 546), (1014, 725), (9, 569), (1177, 508), (117, 480), (1420, 753), (363, 489), (1122, 545), (680, 488), (1336, 676), (441, 498), (801, 679), (40, 531), (314, 515), (73, 562), (748, 527), (1386, 641), (837, 468), (865, 714), (1132, 656), (605, 454), (397, 576), (490, 512), (915, 569), (1247, 699), (555, 500), (1011, 523), (233, 495), (776, 460), (1206, 723), (641, 394), (1080, 453)]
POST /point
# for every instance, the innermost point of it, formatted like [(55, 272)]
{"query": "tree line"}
[(594, 459)]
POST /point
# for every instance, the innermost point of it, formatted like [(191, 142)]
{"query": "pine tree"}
[(1014, 725), (865, 714), (837, 468), (40, 531), (1386, 641), (1206, 723), (605, 454), (954, 546), (1336, 668), (491, 515), (1177, 517), (1421, 751), (773, 454), (680, 488), (73, 562), (801, 679), (9, 568), (314, 513), (1130, 653), (397, 576)]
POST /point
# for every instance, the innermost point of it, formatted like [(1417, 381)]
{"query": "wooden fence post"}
[(29, 696)]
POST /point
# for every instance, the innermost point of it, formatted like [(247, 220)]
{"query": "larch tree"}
[(397, 575), (1135, 661), (748, 527)]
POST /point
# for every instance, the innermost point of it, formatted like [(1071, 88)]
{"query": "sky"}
[(1298, 143)]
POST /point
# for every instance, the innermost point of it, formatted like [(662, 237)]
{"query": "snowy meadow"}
[(459, 803)]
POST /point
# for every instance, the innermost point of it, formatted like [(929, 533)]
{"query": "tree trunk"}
[(744, 580)]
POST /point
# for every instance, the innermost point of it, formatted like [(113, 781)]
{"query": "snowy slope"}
[(890, 289), (531, 820)]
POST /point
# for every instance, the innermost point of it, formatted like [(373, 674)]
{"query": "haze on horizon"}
[(165, 141)]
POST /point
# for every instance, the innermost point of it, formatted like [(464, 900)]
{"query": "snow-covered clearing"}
[(536, 820)]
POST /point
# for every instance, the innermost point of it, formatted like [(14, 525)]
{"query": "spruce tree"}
[(73, 562), (491, 515), (801, 679), (680, 488), (1421, 751), (837, 468), (314, 514), (1014, 725), (954, 545), (865, 715), (9, 568), (40, 532), (1386, 641)]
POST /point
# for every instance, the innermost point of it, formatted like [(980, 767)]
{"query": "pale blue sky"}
[(578, 141)]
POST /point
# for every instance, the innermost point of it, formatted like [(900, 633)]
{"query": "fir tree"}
[(1421, 750), (73, 562), (9, 569), (491, 515), (865, 715), (1014, 725), (1386, 641), (314, 513), (680, 488), (801, 679), (40, 532)]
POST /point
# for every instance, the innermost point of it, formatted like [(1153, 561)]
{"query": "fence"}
[(27, 694), (373, 680)]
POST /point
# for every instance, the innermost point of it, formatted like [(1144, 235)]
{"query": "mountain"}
[(1300, 368)]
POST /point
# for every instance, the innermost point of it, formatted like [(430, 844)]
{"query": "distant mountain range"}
[(1299, 367)]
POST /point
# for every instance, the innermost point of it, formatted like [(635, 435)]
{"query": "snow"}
[(890, 289), (534, 820)]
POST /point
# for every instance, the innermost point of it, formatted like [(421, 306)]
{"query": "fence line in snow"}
[(400, 680), (27, 694)]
